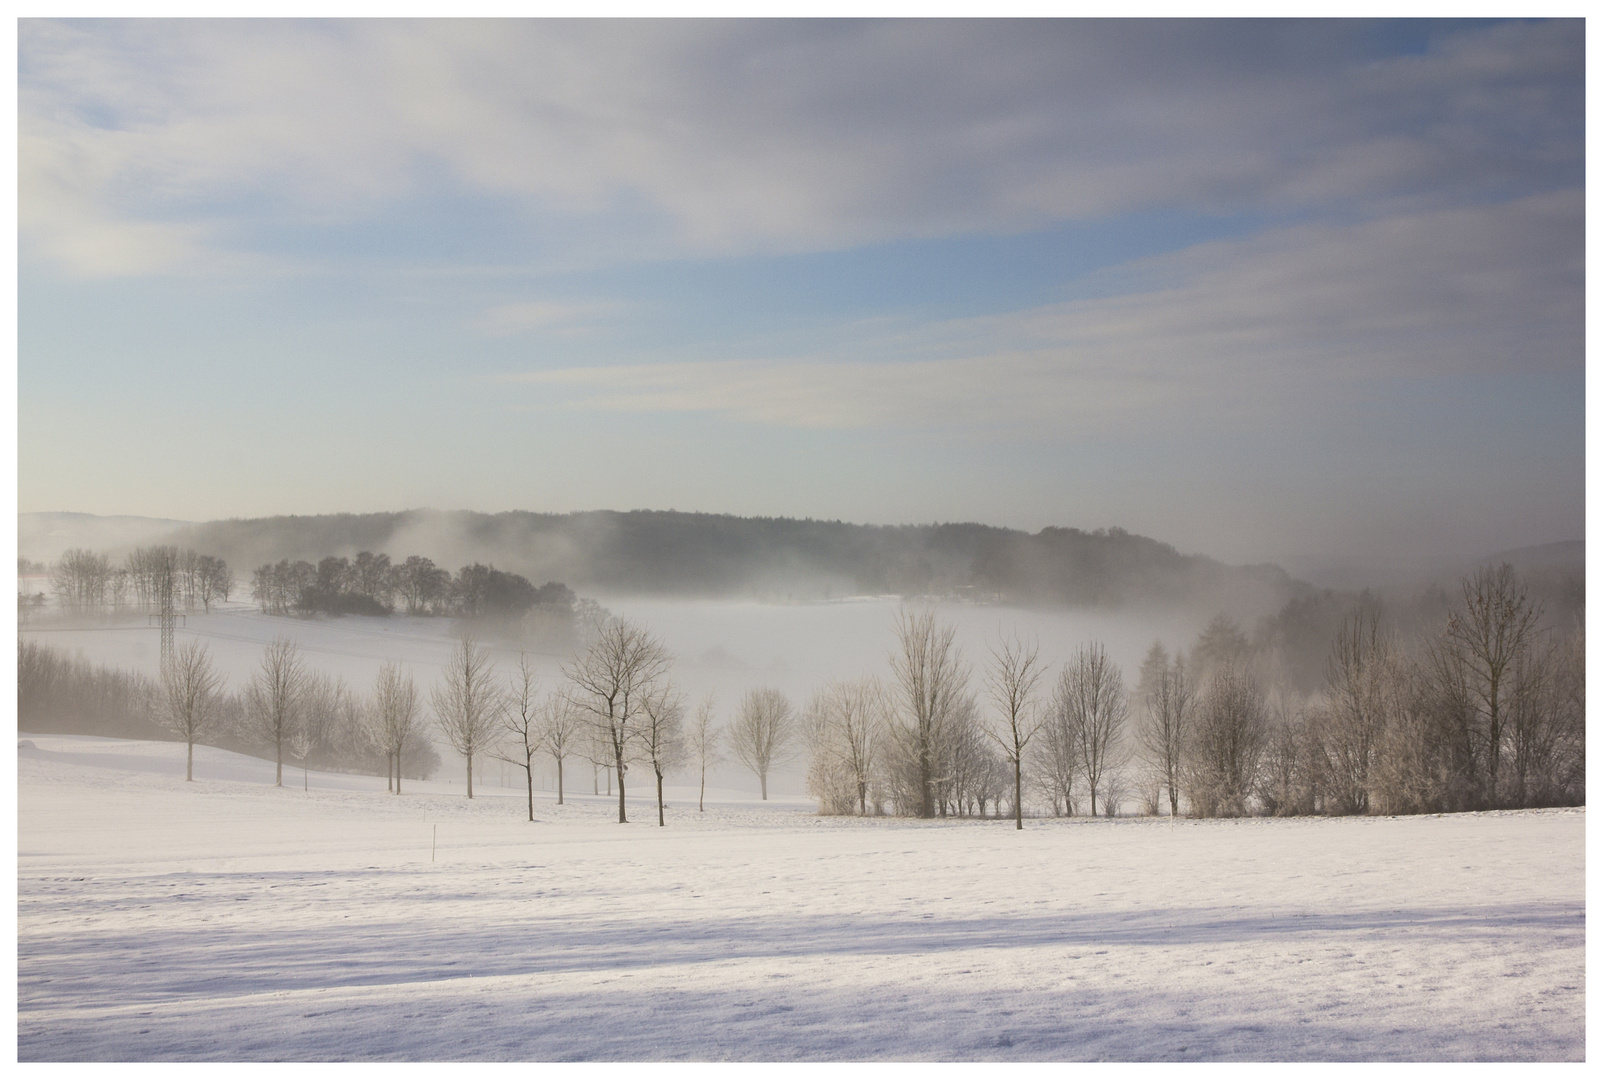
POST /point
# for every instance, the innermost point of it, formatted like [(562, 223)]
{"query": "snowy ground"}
[(227, 919)]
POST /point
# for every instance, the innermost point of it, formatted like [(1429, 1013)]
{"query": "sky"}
[(1307, 292)]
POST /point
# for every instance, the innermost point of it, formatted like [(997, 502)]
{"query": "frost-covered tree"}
[(393, 719), (1166, 713), (273, 699), (1091, 700), (610, 680), (705, 743), (846, 741), (189, 695), (1226, 744), (323, 710), (764, 732), (930, 682), (467, 701), (1359, 696)]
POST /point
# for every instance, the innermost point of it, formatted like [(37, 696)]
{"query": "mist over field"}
[(801, 539)]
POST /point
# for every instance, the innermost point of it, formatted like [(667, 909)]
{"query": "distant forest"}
[(681, 554)]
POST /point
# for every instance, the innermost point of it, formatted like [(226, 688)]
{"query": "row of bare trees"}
[(149, 578), (1488, 712)]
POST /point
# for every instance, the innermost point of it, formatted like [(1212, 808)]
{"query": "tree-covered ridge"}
[(675, 553)]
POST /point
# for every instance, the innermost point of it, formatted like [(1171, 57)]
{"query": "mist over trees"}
[(1337, 703), (57, 694), (672, 553), (1485, 711)]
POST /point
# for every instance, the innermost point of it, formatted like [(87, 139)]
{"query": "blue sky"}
[(1302, 292)]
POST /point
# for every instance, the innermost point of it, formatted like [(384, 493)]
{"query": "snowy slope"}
[(228, 919)]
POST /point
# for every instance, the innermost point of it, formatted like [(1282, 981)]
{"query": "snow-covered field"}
[(228, 919)]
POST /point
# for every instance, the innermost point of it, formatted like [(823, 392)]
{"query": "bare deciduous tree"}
[(273, 699), (1091, 700), (322, 710), (611, 679), (931, 680), (1490, 636), (845, 735), (1227, 743), (394, 717), (764, 732), (1357, 702), (1166, 695), (661, 734), (1012, 677), (521, 723), (562, 731), (467, 702), (706, 739), (189, 690)]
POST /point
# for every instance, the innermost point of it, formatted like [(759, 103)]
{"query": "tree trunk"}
[(660, 822), (559, 781), (470, 776), (764, 778), (623, 818), (862, 800), (189, 767), (278, 781), (528, 770), (1018, 792), (701, 800), (397, 772)]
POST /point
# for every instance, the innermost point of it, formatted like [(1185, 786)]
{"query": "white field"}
[(228, 919)]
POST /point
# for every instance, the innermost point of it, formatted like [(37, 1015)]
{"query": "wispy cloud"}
[(1246, 326), (743, 137), (505, 320)]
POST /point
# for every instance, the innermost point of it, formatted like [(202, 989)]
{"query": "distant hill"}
[(671, 553)]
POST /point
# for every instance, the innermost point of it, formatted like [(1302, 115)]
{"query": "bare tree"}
[(1227, 743), (930, 680), (764, 732), (521, 723), (1058, 759), (394, 716), (1091, 700), (611, 679), (1357, 696), (661, 734), (189, 690), (705, 739), (1166, 695), (1012, 677), (1490, 636), (322, 708), (467, 702), (562, 730), (846, 733), (273, 699)]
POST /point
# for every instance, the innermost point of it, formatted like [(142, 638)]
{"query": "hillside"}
[(668, 553)]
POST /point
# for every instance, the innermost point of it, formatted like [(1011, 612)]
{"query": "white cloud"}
[(738, 137)]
